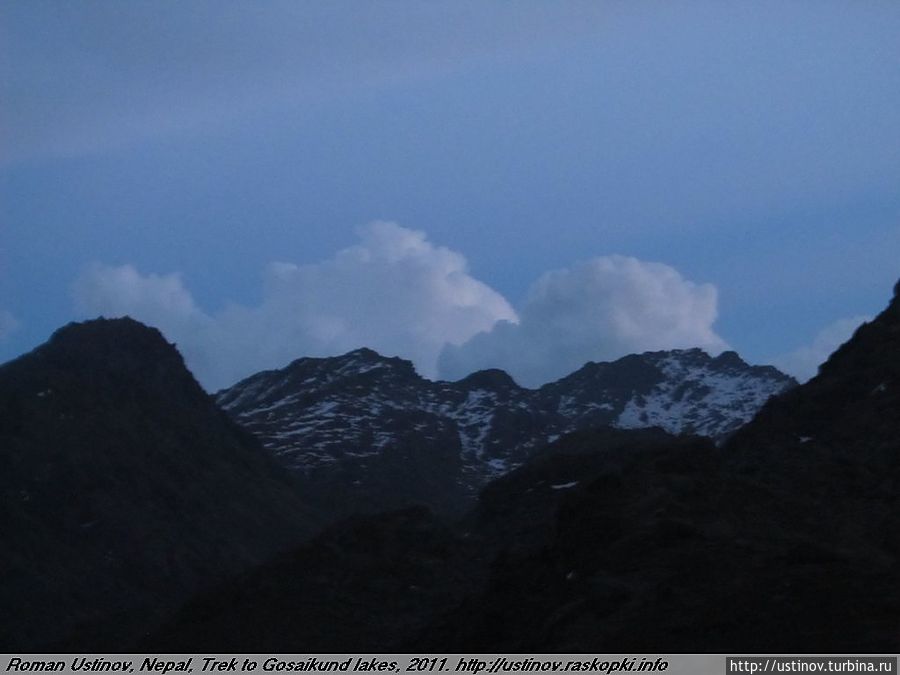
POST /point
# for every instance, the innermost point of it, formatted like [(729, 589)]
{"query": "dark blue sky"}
[(751, 149)]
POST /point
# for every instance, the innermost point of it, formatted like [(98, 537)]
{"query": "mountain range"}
[(782, 539), (369, 432), (346, 504)]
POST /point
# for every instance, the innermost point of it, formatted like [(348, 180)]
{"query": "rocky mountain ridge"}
[(354, 419), (125, 490), (782, 540)]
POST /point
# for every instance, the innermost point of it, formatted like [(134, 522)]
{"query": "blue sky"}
[(574, 180)]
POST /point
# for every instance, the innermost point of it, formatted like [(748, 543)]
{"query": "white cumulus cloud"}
[(597, 310), (803, 363), (394, 291), (122, 290)]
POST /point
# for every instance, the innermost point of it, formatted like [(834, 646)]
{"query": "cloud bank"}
[(394, 291), (597, 310), (398, 293), (803, 363)]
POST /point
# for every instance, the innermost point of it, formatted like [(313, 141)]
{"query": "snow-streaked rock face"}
[(702, 396), (344, 414)]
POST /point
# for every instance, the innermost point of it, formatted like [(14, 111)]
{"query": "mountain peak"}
[(331, 368), (110, 336), (107, 440), (361, 419), (363, 353), (118, 350), (730, 359), (490, 378), (364, 360)]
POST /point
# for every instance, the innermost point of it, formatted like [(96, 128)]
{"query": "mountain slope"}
[(783, 540), (362, 585), (611, 540), (370, 426), (375, 583), (123, 489)]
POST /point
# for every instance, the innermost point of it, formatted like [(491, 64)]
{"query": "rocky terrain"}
[(138, 514), (370, 433), (782, 540)]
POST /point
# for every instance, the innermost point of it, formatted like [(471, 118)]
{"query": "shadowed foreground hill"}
[(123, 489), (609, 541), (783, 540), (360, 586)]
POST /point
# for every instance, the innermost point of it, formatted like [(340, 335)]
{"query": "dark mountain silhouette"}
[(782, 540), (123, 490), (360, 586)]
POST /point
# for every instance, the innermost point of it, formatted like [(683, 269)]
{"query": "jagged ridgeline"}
[(784, 539), (138, 514), (370, 429)]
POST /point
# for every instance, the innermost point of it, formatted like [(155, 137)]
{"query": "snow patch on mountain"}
[(698, 396), (321, 413)]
